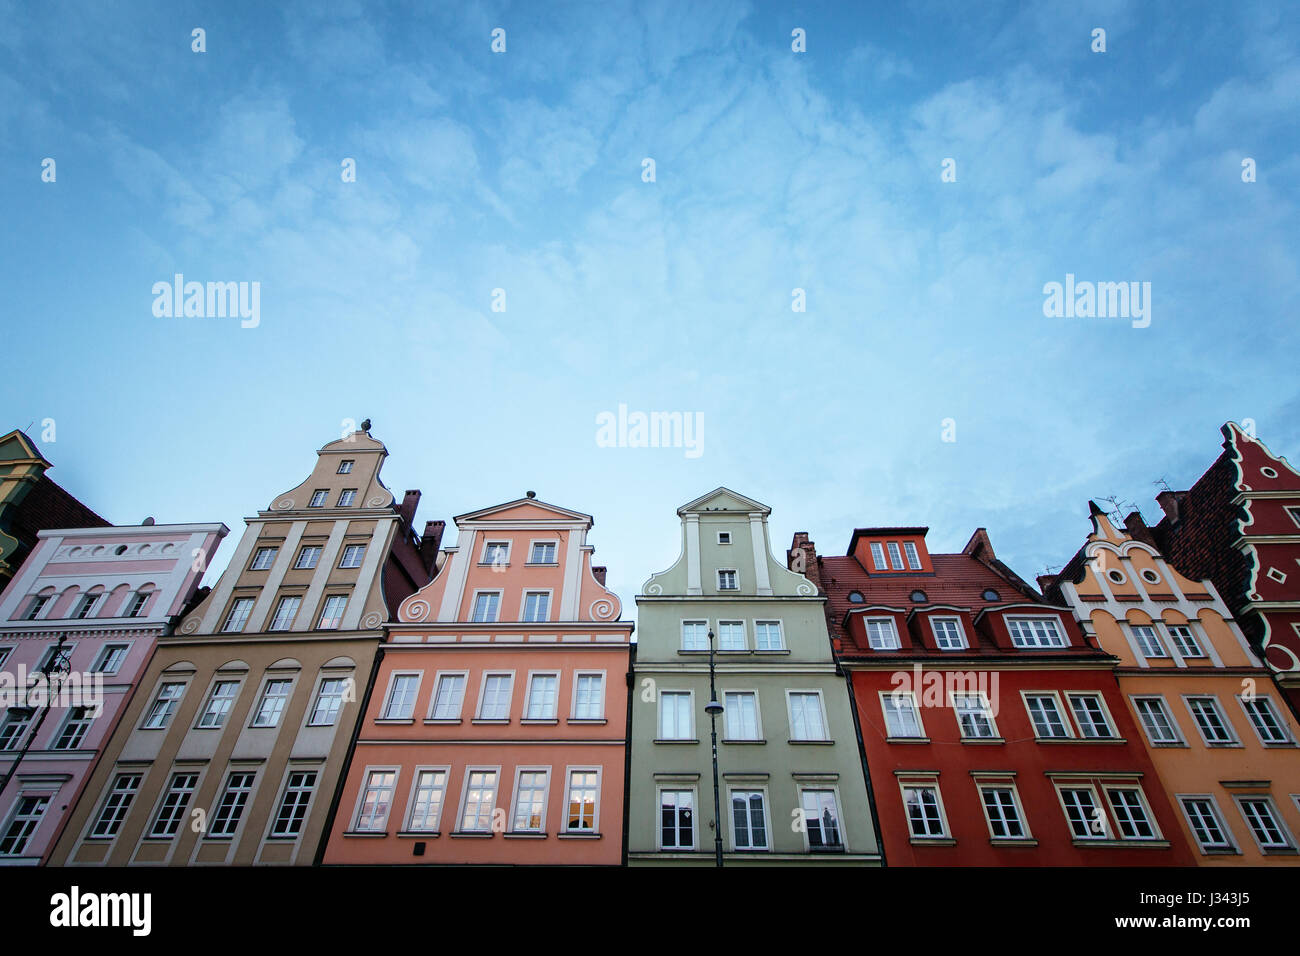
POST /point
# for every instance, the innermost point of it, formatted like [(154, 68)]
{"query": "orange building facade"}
[(496, 727), (1223, 742)]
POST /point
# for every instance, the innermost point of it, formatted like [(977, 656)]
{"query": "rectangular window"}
[(1156, 720), (329, 700), (496, 552), (274, 697), (164, 706), (1210, 720), (171, 812), (495, 704), (26, 818), (346, 497), (822, 818), (447, 700), (543, 552), (731, 636), (695, 635), (1090, 715), (293, 805), (1186, 642), (230, 808), (1130, 813), (112, 658), (345, 466), (768, 636), (34, 609), (806, 722), (352, 555), (219, 701), (1266, 721), (913, 557), (86, 605), (741, 710), (480, 800), (974, 717), (263, 558), (308, 557), (677, 819), (727, 581), (589, 697), (1046, 715), (238, 616), (901, 716), (675, 716), (16, 722), (1003, 813), (530, 801), (487, 605), (948, 633), (116, 804), (426, 805), (1148, 641), (878, 556), (331, 615), (400, 704), (543, 693), (1261, 816), (1087, 822), (1035, 632), (583, 788), (285, 612), (1207, 825), (74, 729), (318, 498), (724, 537), (748, 820), (376, 800), (881, 634), (895, 556), (137, 603), (537, 606), (924, 818)]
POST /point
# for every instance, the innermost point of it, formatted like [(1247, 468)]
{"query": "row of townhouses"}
[(352, 691)]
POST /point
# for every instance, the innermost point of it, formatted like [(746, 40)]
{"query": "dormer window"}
[(878, 556), (345, 466), (881, 634), (895, 556), (919, 597), (855, 597), (991, 595), (727, 581), (913, 558), (1035, 632)]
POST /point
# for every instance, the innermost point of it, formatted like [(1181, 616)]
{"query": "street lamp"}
[(713, 708)]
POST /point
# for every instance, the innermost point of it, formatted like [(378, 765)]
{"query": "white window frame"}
[(491, 542), (1234, 740), (239, 809), (554, 715), (163, 682), (573, 696), (1192, 641), (1167, 711), (735, 577), (758, 715), (923, 782), (230, 614), (769, 623), (674, 787), (1037, 643), (319, 498), (895, 556), (318, 695), (569, 771), (901, 695), (659, 713), (554, 543), (393, 678), (482, 691), (346, 497), (102, 658), (878, 556), (1229, 846), (962, 643), (762, 790), (744, 635), (345, 466), (722, 535), (314, 551), (263, 697), (1153, 650), (464, 796), (334, 623), (125, 800), (473, 607), (1007, 783), (437, 686), (279, 606), (382, 824), (893, 629), (409, 817), (821, 706), (1279, 718), (986, 711), (1061, 712), (1290, 843), (272, 832), (913, 555), (1150, 818), (272, 551), (545, 812), (218, 681), (1112, 732), (348, 549), (704, 624), (523, 605), (1097, 805)]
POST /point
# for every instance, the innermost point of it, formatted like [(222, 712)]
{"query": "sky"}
[(822, 170)]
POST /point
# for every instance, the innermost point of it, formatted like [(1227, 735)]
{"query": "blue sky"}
[(775, 170)]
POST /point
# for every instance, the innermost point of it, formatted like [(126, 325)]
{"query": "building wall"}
[(776, 766), (117, 563)]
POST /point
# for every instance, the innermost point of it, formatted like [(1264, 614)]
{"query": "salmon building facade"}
[(496, 731)]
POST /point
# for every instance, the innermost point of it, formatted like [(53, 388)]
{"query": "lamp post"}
[(713, 708), (56, 662)]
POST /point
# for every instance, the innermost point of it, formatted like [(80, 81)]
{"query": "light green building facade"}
[(791, 782)]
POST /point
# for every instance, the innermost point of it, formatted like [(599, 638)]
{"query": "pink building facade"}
[(107, 594)]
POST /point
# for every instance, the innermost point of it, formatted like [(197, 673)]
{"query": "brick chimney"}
[(599, 574), (410, 501), (1045, 582), (1170, 502), (802, 545), (430, 541), (1136, 526)]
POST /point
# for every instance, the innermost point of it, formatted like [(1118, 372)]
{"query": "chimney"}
[(802, 558), (1045, 582), (1136, 526), (599, 574), (1170, 501), (430, 541), (410, 501)]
